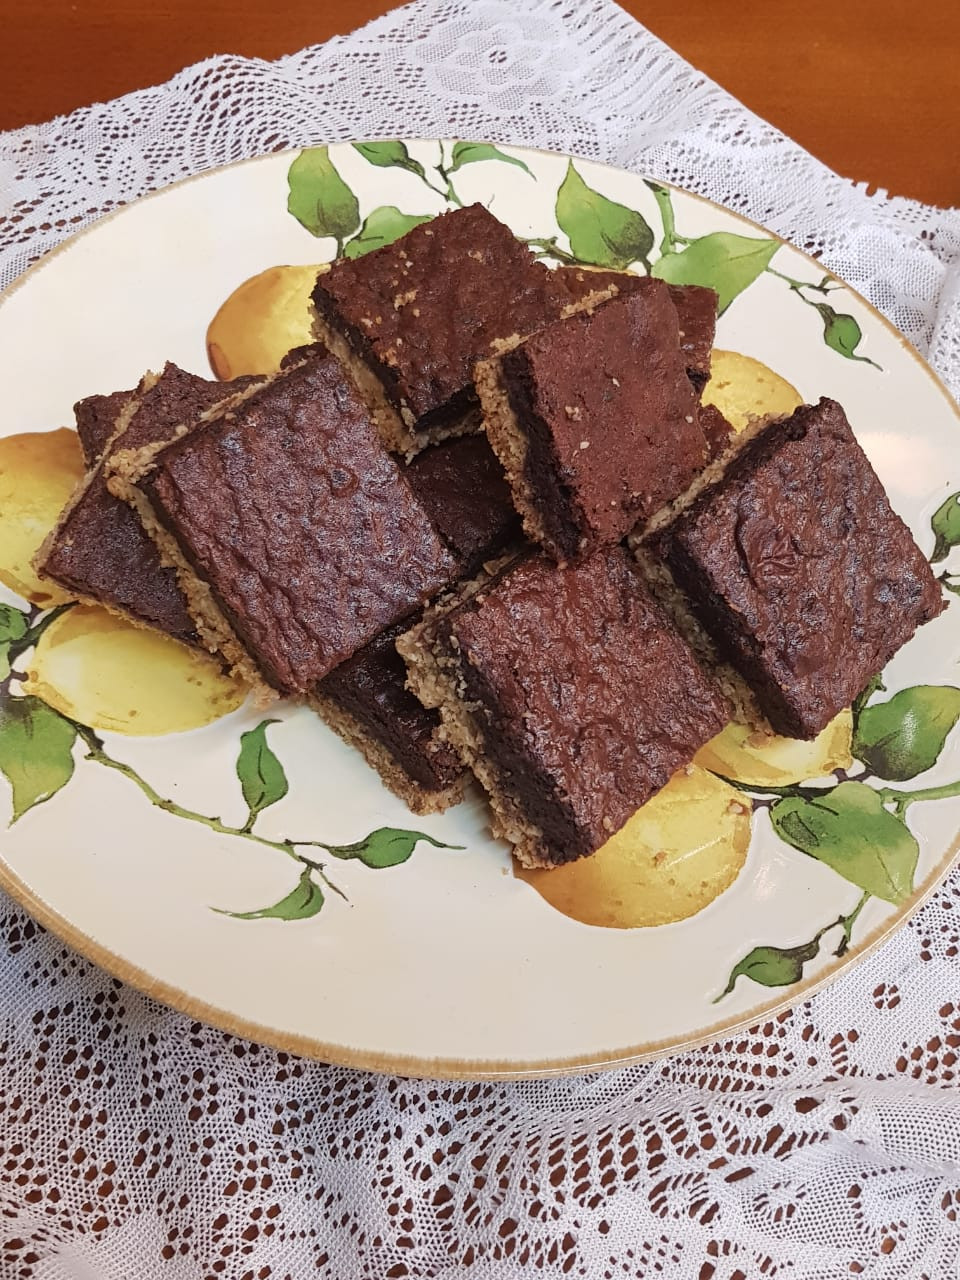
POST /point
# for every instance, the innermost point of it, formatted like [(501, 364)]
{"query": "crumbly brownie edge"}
[(590, 301), (665, 590), (127, 467), (418, 798), (395, 434), (509, 442), (53, 537), (470, 423), (212, 626), (435, 676), (711, 474)]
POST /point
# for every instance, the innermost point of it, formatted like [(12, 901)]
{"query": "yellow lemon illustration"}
[(38, 473), (105, 672), (267, 316), (763, 758), (674, 856), (742, 389)]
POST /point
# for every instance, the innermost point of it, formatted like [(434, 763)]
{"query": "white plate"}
[(446, 964)]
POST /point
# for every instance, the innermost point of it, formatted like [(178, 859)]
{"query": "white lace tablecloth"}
[(825, 1143)]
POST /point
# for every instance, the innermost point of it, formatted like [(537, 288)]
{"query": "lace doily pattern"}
[(822, 1144), (577, 77)]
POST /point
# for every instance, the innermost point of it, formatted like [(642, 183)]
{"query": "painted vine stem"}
[(37, 757), (593, 230)]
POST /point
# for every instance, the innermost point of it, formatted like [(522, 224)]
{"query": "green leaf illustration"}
[(385, 847), (302, 902), (841, 332), (874, 685), (36, 751), (721, 261), (945, 523), (773, 966), (13, 627), (382, 226), (260, 772), (903, 737), (471, 152), (13, 623), (389, 155), (319, 198), (601, 231), (849, 830)]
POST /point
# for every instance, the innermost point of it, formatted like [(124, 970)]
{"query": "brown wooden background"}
[(870, 86)]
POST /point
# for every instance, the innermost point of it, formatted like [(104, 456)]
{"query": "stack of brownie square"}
[(420, 527)]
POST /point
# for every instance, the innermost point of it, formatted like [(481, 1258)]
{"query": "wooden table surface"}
[(869, 86)]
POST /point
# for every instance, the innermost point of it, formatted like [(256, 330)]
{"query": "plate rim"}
[(407, 1065)]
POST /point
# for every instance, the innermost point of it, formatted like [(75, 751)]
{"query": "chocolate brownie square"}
[(800, 571), (296, 537), (696, 311), (717, 431), (462, 486), (96, 417), (99, 551), (411, 320), (365, 699), (568, 692), (595, 421), (697, 317)]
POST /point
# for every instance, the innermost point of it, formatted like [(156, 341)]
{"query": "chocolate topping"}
[(100, 551), (423, 310), (589, 698), (803, 574), (696, 311), (716, 429), (371, 686), (609, 415), (462, 486), (96, 418), (697, 317), (300, 522)]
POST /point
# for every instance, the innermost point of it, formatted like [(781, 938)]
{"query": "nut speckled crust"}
[(100, 551), (585, 698), (421, 311), (608, 418), (302, 525), (802, 574), (462, 486)]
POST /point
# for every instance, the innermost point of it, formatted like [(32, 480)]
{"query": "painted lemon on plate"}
[(263, 319), (674, 856), (744, 389), (762, 758), (105, 672), (89, 664), (38, 473)]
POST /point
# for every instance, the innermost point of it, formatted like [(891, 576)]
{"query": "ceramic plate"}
[(249, 868)]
